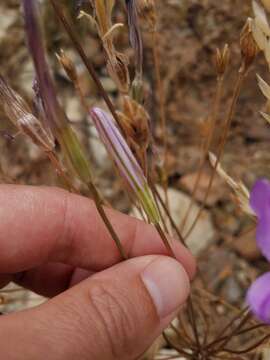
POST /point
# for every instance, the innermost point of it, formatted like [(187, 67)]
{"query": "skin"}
[(100, 307)]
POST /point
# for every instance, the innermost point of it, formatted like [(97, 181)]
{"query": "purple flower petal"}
[(260, 197), (260, 203), (263, 235), (258, 298)]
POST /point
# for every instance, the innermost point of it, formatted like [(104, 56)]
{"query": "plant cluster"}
[(129, 135)]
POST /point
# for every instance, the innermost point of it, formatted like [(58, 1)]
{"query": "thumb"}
[(115, 314)]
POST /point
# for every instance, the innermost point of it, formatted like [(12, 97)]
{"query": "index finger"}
[(40, 225)]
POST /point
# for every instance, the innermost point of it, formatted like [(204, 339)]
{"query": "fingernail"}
[(168, 285)]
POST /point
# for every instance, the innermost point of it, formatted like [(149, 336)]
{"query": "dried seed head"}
[(135, 36), (248, 46), (147, 10), (221, 59), (118, 69), (20, 115), (135, 123), (68, 66), (240, 190), (32, 127), (265, 88), (137, 89), (261, 30), (260, 18)]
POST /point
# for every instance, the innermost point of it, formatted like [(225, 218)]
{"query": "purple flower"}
[(260, 203), (258, 296)]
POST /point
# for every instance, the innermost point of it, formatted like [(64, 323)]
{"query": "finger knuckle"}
[(114, 315)]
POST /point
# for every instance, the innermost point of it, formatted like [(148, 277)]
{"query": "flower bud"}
[(125, 161), (68, 66), (146, 9), (248, 46), (221, 59)]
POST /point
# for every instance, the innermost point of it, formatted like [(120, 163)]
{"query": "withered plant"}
[(128, 132)]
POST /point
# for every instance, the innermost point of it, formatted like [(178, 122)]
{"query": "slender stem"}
[(192, 319), (90, 67), (234, 332), (237, 88), (55, 162), (250, 348), (172, 222), (165, 240), (180, 350), (206, 146), (162, 114), (163, 220), (6, 178), (107, 223), (181, 337), (220, 336)]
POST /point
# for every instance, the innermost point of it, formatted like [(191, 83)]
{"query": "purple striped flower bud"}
[(125, 161)]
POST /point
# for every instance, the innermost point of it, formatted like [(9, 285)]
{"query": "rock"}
[(16, 298), (169, 354), (217, 190), (232, 290), (108, 84), (98, 150), (8, 18), (246, 246), (74, 110), (266, 354), (152, 352), (26, 77), (203, 233)]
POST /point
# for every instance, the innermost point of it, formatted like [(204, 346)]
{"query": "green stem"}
[(100, 209)]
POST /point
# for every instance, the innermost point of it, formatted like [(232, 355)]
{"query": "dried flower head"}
[(117, 67), (135, 122), (265, 89), (249, 47), (20, 115), (117, 63), (240, 190), (221, 59), (135, 36), (125, 161), (147, 10), (68, 66)]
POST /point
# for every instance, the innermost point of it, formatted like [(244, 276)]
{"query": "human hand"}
[(55, 244)]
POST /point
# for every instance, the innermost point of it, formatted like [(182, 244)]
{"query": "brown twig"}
[(206, 146), (237, 88), (86, 61)]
